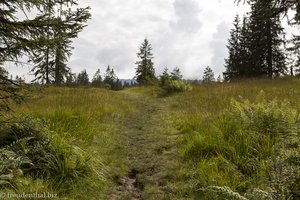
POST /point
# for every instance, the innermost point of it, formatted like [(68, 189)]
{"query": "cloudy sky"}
[(190, 34)]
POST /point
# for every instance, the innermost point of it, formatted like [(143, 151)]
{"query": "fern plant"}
[(10, 166), (265, 117), (224, 192), (218, 192)]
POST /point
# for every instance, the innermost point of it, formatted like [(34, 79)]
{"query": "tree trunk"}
[(269, 50)]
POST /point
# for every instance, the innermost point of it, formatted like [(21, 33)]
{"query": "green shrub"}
[(173, 86)]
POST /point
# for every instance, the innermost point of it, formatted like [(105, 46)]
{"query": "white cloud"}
[(218, 46), (190, 34), (187, 12)]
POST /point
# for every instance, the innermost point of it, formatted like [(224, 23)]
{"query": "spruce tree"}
[(4, 74), (110, 76), (282, 7), (42, 70), (219, 79), (51, 60), (244, 55), (267, 57), (145, 73), (83, 78), (259, 44), (208, 75), (71, 79), (97, 79), (297, 64), (233, 63), (164, 77), (176, 74), (295, 52), (20, 36), (117, 85), (111, 80), (238, 64)]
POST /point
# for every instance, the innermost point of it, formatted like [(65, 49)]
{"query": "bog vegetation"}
[(169, 138), (239, 142)]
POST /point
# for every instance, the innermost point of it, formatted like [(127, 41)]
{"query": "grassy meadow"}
[(242, 137), (217, 141)]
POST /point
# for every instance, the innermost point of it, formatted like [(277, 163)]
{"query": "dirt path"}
[(148, 142)]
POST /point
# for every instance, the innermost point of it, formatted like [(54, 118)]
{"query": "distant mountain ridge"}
[(128, 81)]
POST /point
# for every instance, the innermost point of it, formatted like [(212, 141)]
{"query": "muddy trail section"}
[(148, 144)]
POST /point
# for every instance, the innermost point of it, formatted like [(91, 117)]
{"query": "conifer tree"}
[(110, 76), (117, 85), (256, 50), (97, 79), (4, 74), (208, 75), (19, 80), (219, 79), (267, 58), (233, 64), (83, 78), (164, 77), (145, 73), (293, 55), (176, 74), (296, 65), (19, 37), (244, 56), (238, 62), (111, 80), (71, 79), (67, 23), (282, 7)]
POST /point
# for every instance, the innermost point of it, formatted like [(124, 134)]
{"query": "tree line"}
[(257, 45), (108, 80)]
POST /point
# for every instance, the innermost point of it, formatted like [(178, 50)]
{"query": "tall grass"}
[(234, 133), (79, 112), (79, 124), (238, 142)]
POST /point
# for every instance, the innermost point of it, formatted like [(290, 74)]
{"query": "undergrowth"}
[(235, 141), (175, 86), (29, 148), (61, 142), (238, 149)]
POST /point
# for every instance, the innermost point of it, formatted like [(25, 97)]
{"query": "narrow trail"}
[(148, 142)]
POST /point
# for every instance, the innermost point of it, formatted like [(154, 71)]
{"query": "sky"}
[(189, 34)]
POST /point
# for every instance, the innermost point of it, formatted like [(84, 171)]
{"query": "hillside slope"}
[(218, 141)]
